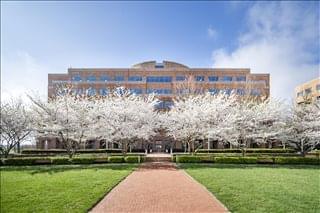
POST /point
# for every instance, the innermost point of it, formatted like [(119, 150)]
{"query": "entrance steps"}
[(158, 157)]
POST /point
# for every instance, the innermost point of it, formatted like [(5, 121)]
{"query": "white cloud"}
[(212, 33), (281, 39), (22, 74)]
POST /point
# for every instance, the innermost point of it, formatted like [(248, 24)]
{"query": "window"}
[(299, 94), (213, 78), (135, 78), (159, 91), (241, 78), (91, 92), (104, 91), (255, 92), (213, 91), (91, 78), (307, 91), (105, 78), (318, 87), (76, 91), (164, 79), (226, 78), (180, 78), (76, 78), (226, 91), (136, 91), (159, 66), (241, 92), (119, 78), (199, 78), (164, 105)]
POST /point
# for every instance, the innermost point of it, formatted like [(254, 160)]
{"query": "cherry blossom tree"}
[(304, 127), (15, 125)]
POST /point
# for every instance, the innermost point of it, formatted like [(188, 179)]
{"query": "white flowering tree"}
[(15, 125), (125, 117), (303, 131)]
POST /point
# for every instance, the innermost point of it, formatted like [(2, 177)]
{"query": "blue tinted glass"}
[(119, 78), (255, 92), (213, 91), (76, 78), (136, 91), (135, 78), (240, 92), (91, 92), (180, 78), (226, 78), (159, 91), (91, 78), (159, 66), (104, 78), (213, 78), (241, 78), (104, 91), (159, 79), (199, 78), (164, 105)]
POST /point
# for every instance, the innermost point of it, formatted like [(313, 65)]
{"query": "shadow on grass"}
[(245, 166), (51, 169)]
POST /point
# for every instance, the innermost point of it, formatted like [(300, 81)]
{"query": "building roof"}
[(164, 64)]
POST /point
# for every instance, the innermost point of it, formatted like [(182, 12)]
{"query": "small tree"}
[(15, 125), (304, 127)]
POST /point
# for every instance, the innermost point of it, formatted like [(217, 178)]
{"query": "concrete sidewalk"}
[(159, 187)]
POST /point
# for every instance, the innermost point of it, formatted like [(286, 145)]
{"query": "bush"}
[(116, 159), (83, 160), (113, 150), (296, 160), (228, 159), (101, 160), (188, 159), (61, 161), (25, 161), (251, 150), (132, 159), (265, 160)]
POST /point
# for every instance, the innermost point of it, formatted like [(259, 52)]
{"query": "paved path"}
[(159, 187)]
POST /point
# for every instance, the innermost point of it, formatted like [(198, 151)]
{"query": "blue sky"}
[(281, 38)]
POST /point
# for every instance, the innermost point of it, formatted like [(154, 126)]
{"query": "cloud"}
[(282, 38), (212, 33), (22, 74)]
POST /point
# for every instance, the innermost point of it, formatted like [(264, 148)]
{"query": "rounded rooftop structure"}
[(155, 65)]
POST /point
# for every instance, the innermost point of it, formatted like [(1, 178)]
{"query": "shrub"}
[(248, 160), (132, 159), (113, 150), (116, 159), (296, 160), (101, 160), (265, 160), (188, 159), (61, 161), (218, 151), (227, 160), (247, 151), (173, 158), (24, 161), (83, 160)]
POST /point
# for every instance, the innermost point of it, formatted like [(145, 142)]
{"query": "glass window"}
[(213, 91), (213, 78), (135, 78), (241, 92), (226, 78), (307, 91), (76, 78), (241, 78), (136, 91), (91, 78), (199, 78), (104, 91), (119, 78), (180, 78), (164, 105), (255, 92), (105, 78), (318, 87), (226, 91), (159, 66), (164, 79), (91, 92), (159, 91)]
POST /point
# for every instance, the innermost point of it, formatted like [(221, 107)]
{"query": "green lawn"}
[(253, 188), (57, 188)]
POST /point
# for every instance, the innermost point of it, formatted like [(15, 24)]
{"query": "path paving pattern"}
[(159, 187)]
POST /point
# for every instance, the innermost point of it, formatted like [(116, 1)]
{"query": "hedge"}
[(66, 160), (250, 150), (245, 160)]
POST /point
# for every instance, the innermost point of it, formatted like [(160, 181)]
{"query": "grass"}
[(254, 188), (58, 188)]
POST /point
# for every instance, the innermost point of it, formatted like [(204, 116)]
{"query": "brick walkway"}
[(159, 187)]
